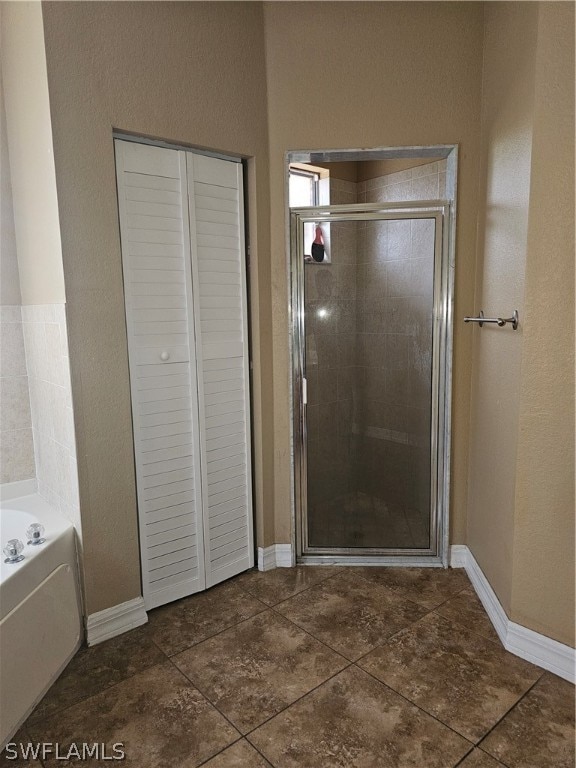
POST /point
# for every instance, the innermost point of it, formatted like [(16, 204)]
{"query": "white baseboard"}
[(458, 555), (266, 558), (521, 641), (275, 556), (116, 620)]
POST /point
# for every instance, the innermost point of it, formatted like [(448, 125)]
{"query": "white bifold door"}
[(182, 233)]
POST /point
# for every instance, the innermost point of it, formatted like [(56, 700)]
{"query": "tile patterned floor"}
[(316, 667)]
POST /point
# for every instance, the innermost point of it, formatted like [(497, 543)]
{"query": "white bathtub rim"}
[(18, 489), (18, 579)]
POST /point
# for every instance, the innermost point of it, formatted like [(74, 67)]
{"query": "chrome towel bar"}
[(500, 321)]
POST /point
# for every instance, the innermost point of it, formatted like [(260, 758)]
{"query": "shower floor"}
[(363, 520)]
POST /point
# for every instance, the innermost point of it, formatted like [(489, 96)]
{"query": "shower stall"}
[(371, 382)]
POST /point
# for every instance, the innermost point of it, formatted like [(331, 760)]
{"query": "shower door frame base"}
[(342, 560), (437, 554)]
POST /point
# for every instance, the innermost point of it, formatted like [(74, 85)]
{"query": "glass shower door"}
[(369, 356)]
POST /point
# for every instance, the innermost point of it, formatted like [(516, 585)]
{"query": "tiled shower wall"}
[(394, 333), (395, 348), (16, 445), (330, 343), (425, 182), (46, 343)]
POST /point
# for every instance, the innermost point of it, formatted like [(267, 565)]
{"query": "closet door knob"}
[(164, 356)]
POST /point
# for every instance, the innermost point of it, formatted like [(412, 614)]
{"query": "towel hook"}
[(499, 321)]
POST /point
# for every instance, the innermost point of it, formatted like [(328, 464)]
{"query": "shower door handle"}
[(304, 391)]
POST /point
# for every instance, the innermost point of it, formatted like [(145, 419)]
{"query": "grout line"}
[(461, 761), (304, 589), (243, 738), (262, 755), (508, 711), (292, 703), (317, 639), (219, 632), (388, 639), (210, 702), (30, 721), (158, 646), (506, 765), (410, 600), (495, 641), (216, 634), (424, 711), (219, 751)]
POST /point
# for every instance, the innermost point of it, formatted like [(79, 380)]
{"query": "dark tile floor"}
[(313, 668)]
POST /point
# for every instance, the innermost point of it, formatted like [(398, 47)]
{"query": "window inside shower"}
[(310, 186)]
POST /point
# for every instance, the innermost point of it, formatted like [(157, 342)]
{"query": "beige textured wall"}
[(198, 73), (31, 158), (521, 481), (342, 171), (508, 94), (415, 79), (9, 277), (187, 72), (543, 579)]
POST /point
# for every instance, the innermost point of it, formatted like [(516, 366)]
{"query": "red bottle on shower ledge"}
[(318, 246)]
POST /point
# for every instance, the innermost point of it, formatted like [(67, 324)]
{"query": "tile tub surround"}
[(16, 444), (46, 343), (267, 686)]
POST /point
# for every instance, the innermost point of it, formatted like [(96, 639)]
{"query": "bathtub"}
[(40, 616)]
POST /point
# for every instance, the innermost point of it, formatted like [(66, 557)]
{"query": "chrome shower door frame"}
[(440, 211)]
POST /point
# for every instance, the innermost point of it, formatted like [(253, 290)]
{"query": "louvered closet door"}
[(152, 194), (219, 283)]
